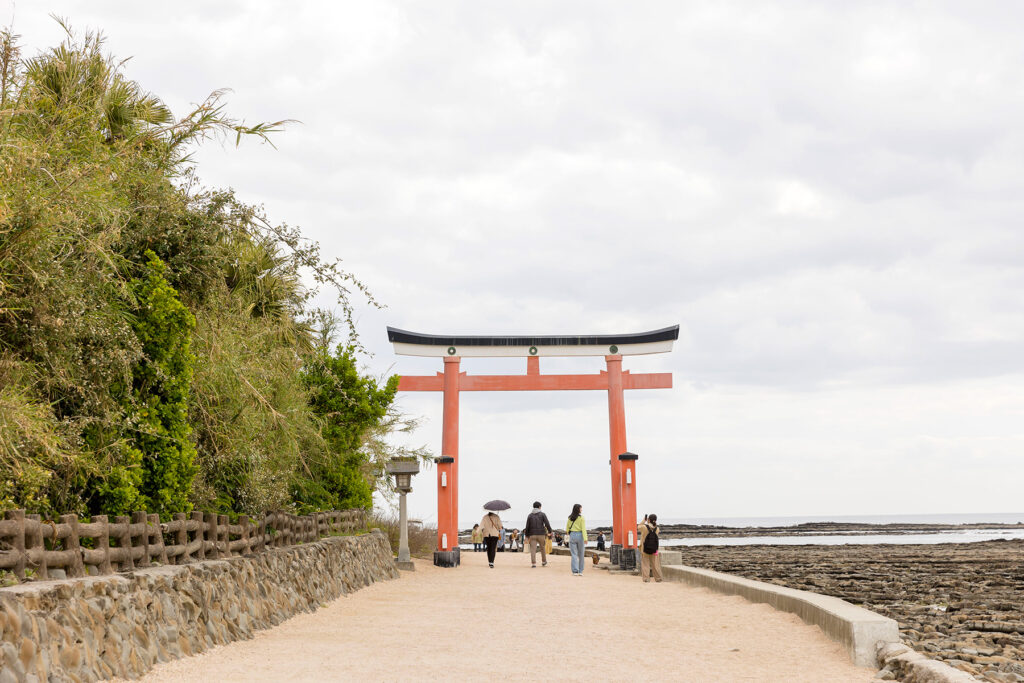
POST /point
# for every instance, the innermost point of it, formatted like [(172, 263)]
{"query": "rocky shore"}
[(959, 603), (669, 531)]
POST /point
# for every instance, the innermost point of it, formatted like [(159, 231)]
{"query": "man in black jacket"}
[(537, 529)]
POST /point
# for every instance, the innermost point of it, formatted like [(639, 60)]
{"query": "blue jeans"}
[(576, 550)]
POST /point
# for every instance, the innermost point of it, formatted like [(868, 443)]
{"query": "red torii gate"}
[(614, 380)]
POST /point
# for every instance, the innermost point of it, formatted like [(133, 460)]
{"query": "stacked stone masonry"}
[(99, 627)]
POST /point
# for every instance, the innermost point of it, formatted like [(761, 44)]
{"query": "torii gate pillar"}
[(614, 380), (448, 464), (622, 497)]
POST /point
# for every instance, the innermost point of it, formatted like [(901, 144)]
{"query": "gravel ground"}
[(523, 624)]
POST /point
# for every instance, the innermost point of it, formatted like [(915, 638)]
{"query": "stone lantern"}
[(403, 471)]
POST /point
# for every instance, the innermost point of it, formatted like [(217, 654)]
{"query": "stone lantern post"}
[(403, 471)]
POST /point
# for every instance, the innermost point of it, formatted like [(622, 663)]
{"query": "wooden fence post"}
[(124, 541), (200, 535), (37, 547), (139, 517), (72, 543), (18, 516), (103, 543), (225, 532), (212, 534), (263, 533), (243, 525), (181, 538), (160, 552)]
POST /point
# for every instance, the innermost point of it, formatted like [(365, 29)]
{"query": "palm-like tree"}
[(74, 80), (269, 286)]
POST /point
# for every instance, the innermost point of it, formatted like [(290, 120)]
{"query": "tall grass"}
[(422, 539)]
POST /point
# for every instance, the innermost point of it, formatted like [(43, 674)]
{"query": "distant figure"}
[(520, 541), (492, 530), (600, 541), (478, 538), (650, 560), (576, 527), (504, 540), (537, 530)]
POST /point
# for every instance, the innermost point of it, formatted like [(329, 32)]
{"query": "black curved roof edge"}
[(406, 337)]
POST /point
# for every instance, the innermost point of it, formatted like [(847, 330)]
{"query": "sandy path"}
[(523, 624)]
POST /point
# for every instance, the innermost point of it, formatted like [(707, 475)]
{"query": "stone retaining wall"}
[(99, 627)]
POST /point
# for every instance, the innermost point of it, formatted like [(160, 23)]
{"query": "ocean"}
[(937, 518), (811, 538), (946, 536)]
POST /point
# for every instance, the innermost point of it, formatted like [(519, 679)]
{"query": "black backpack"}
[(651, 541)]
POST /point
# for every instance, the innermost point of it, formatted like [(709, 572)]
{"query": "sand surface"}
[(522, 624)]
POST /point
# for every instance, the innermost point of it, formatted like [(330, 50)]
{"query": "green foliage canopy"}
[(157, 344)]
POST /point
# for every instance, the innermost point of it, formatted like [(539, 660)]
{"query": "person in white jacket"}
[(492, 529)]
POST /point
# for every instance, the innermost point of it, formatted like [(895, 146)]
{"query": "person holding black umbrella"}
[(492, 528)]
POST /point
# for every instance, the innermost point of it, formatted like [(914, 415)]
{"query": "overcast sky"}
[(826, 197)]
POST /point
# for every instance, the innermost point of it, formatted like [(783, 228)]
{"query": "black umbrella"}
[(497, 505)]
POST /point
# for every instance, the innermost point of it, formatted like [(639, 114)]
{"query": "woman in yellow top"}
[(577, 529)]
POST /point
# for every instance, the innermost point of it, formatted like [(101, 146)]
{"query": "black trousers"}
[(492, 547)]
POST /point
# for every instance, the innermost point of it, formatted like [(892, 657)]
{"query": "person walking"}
[(492, 530), (576, 527), (536, 531), (478, 538), (650, 560)]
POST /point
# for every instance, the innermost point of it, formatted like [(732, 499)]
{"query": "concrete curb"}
[(858, 629)]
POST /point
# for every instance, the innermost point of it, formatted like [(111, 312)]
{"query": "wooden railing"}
[(31, 546)]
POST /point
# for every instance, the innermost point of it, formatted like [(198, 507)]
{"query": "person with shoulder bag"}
[(650, 560), (576, 528), (536, 531)]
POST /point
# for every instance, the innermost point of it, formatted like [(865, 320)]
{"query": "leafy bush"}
[(348, 404)]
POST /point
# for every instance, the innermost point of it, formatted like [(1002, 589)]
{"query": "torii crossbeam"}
[(614, 380)]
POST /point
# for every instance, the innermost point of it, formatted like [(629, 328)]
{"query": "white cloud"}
[(826, 198)]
